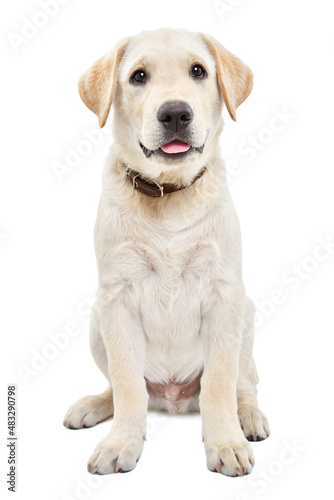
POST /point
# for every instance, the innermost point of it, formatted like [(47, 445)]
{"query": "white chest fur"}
[(168, 275), (170, 304)]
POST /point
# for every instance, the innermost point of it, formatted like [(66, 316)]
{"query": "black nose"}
[(175, 115)]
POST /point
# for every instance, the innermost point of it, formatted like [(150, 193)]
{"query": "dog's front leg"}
[(227, 449), (123, 339)]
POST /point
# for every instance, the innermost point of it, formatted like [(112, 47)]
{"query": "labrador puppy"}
[(172, 327)]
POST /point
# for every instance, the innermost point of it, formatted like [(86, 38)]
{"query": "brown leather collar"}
[(152, 188)]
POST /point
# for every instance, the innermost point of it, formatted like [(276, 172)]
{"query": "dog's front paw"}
[(116, 454), (233, 459)]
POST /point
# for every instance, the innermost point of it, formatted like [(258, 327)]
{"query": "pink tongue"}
[(175, 147)]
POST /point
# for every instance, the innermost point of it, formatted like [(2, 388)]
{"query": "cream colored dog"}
[(172, 328)]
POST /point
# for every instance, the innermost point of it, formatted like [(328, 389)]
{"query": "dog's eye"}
[(138, 76), (198, 71)]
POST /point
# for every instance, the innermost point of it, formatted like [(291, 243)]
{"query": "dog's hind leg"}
[(253, 422), (90, 410)]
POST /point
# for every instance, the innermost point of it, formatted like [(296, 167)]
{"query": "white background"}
[(284, 198)]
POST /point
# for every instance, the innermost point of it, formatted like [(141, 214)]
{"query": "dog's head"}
[(167, 88)]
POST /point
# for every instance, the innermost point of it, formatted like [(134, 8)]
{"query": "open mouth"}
[(176, 147)]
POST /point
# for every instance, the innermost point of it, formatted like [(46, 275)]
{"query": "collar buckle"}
[(161, 189)]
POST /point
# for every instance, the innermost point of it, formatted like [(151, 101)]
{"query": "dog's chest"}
[(171, 267), (174, 277), (170, 305), (163, 276), (169, 278)]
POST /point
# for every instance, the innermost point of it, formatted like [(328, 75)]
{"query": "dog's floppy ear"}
[(235, 79), (97, 85)]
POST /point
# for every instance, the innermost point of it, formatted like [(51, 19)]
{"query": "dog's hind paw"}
[(253, 423), (90, 410)]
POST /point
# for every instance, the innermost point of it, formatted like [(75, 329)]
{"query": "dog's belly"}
[(174, 356), (171, 322)]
